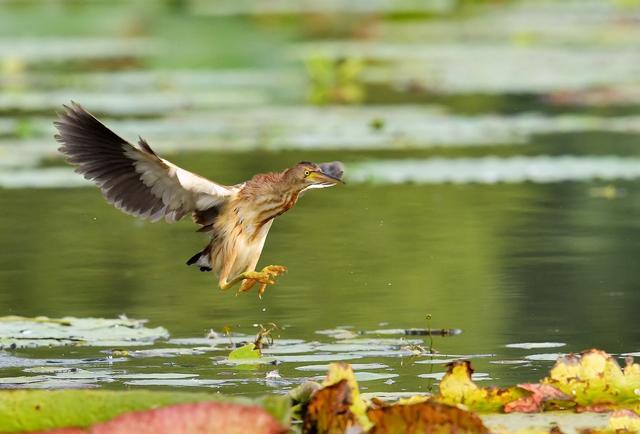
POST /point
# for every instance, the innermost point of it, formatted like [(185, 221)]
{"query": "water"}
[(531, 251), (505, 263)]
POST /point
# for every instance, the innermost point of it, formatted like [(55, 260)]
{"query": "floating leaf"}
[(353, 366), (307, 358), (22, 332), (167, 352), (424, 417), (155, 376), (595, 380), (198, 418), (536, 345), (247, 357), (329, 411), (457, 388), (545, 357), (342, 371), (177, 382), (245, 352), (22, 410)]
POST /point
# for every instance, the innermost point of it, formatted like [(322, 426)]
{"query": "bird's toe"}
[(274, 270), (259, 276)]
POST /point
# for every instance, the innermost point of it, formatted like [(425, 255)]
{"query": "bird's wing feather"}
[(134, 180)]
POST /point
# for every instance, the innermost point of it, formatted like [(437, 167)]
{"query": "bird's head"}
[(308, 175)]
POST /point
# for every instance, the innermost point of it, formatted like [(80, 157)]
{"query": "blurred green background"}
[(492, 169)]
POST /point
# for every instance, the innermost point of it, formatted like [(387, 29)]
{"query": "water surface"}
[(493, 154)]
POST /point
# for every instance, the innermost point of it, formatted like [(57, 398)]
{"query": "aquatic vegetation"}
[(336, 407), (21, 332), (246, 352), (491, 170), (595, 380), (588, 382), (42, 410), (414, 104), (335, 81), (202, 417)]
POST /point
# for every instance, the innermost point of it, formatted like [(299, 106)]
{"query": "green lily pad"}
[(249, 351)]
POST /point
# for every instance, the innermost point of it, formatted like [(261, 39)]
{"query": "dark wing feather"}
[(134, 180)]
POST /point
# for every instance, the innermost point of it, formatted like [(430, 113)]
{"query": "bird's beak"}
[(324, 179)]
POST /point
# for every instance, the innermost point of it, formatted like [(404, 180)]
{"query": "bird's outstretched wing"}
[(134, 179)]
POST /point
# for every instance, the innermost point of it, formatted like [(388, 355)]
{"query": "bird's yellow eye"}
[(306, 173)]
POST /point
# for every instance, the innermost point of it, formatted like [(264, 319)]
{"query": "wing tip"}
[(144, 145)]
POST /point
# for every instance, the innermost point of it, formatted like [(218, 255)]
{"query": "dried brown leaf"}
[(424, 417), (329, 411)]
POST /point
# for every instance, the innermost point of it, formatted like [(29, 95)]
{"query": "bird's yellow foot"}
[(265, 277), (274, 270)]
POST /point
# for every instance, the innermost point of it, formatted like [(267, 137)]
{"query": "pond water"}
[(511, 216), (507, 264)]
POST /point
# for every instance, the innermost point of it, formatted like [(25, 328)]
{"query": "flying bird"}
[(237, 218)]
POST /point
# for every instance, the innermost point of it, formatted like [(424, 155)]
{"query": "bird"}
[(237, 218)]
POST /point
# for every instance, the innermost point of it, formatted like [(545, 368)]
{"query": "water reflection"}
[(517, 266), (505, 263)]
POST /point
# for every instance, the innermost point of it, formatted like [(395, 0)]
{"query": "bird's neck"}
[(270, 195), (278, 205)]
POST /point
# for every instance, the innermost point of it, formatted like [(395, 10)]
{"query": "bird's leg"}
[(248, 278), (254, 276), (226, 270)]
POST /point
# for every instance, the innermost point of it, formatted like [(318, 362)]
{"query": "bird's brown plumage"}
[(139, 182)]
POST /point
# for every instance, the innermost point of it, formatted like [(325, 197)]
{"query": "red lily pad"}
[(197, 418)]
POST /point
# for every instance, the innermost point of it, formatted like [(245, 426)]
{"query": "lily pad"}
[(47, 382), (41, 410), (169, 352), (536, 345), (215, 341), (276, 348), (201, 417), (176, 382), (307, 358), (545, 357), (249, 351), (22, 332), (457, 387), (595, 380), (491, 170), (9, 361), (424, 417), (356, 366), (155, 376)]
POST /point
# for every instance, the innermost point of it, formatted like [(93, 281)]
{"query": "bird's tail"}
[(202, 259)]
